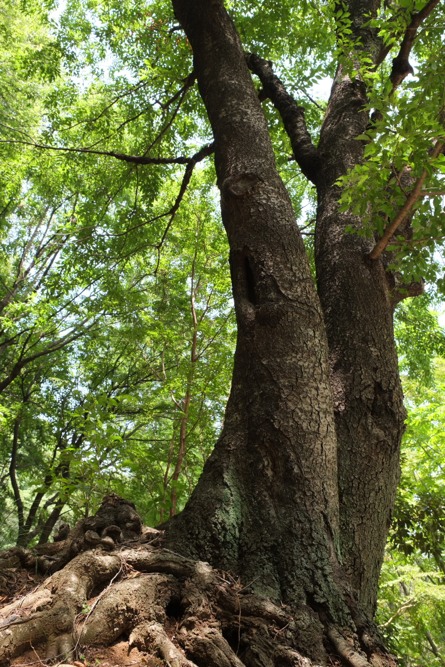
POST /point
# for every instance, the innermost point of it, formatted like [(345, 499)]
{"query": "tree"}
[(297, 496)]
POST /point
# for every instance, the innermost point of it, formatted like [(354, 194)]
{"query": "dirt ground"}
[(111, 656)]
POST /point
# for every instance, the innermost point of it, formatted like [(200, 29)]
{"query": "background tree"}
[(133, 403)]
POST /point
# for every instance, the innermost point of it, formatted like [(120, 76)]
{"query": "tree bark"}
[(266, 506), (271, 504)]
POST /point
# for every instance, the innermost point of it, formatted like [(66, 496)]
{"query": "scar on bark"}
[(240, 184), (250, 282)]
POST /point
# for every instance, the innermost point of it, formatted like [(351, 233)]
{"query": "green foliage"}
[(420, 339), (412, 590), (412, 610), (419, 524), (96, 326), (106, 410), (398, 146)]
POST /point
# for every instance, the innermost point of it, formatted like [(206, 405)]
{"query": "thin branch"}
[(180, 97), (292, 115), (181, 93), (416, 194), (14, 129), (13, 475), (433, 648), (409, 604), (52, 347), (133, 89), (135, 159), (21, 274), (400, 65), (311, 99), (188, 83), (200, 155), (432, 193)]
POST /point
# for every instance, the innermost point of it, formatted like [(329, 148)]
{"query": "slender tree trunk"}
[(13, 479), (357, 307), (185, 407)]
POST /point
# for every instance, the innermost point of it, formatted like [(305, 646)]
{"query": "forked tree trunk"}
[(296, 498), (261, 508), (267, 505)]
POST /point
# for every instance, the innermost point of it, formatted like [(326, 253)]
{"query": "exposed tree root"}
[(182, 611)]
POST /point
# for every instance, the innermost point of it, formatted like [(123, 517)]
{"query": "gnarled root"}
[(182, 611)]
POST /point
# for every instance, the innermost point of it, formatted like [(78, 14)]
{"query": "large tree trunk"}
[(267, 505), (261, 508)]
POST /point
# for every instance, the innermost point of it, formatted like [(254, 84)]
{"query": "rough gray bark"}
[(268, 503), (267, 515), (357, 306)]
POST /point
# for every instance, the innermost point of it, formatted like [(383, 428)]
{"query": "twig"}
[(200, 155), (406, 209), (405, 606), (432, 193), (204, 152)]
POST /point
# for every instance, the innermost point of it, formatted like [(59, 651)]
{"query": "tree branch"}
[(200, 155), (51, 347), (292, 115), (400, 65), (140, 84), (433, 648), (409, 604), (203, 152), (432, 193), (134, 159), (188, 83), (416, 193)]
